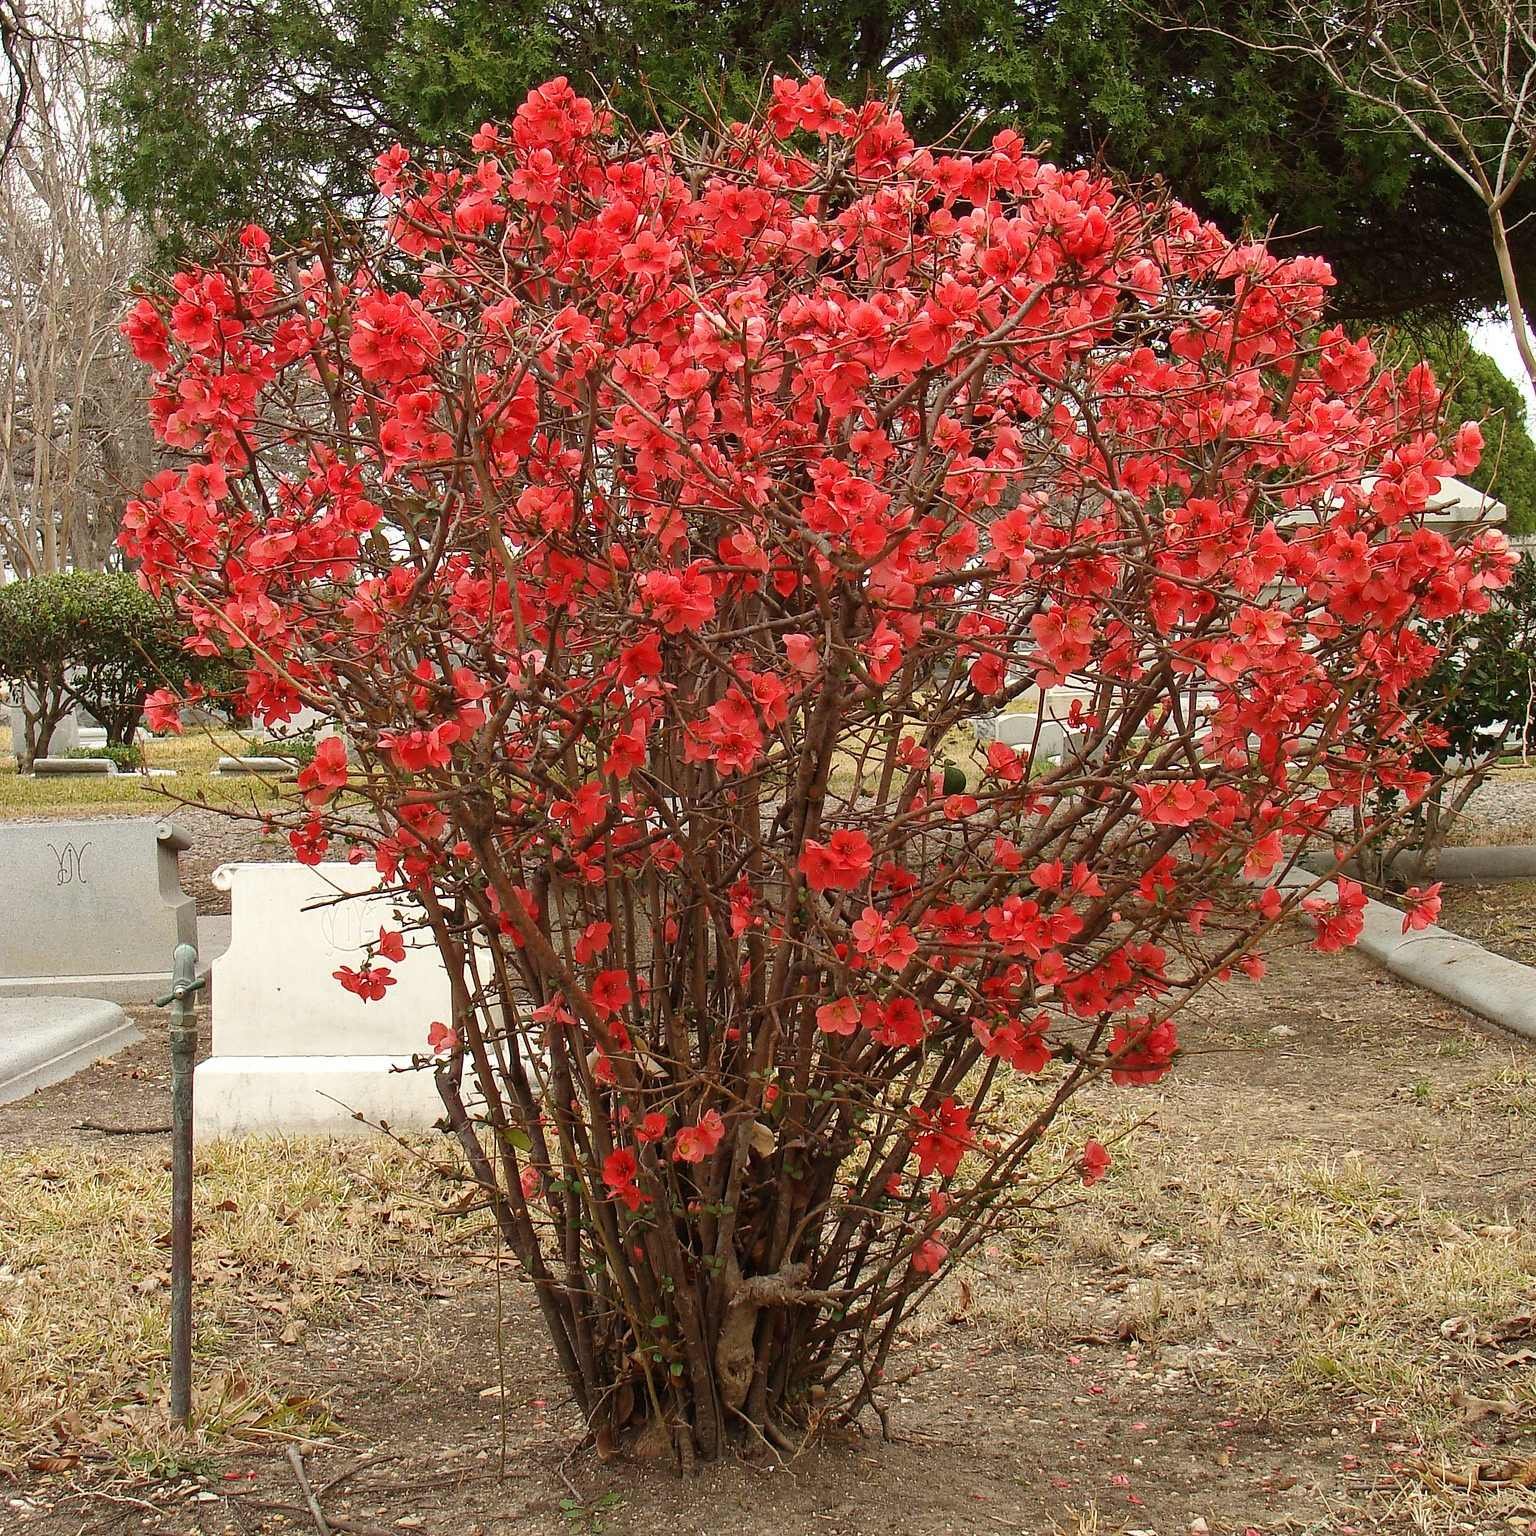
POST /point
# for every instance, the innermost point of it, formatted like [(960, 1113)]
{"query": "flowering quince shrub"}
[(650, 510)]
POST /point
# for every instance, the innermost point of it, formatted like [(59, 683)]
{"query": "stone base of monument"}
[(67, 767), (271, 767), (43, 1040), (311, 1096), (120, 987)]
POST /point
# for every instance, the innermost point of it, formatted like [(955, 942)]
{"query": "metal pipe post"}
[(184, 984)]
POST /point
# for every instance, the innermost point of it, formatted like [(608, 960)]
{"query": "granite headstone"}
[(91, 908)]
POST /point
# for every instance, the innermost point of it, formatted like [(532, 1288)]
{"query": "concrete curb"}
[(1455, 865), (1462, 972)]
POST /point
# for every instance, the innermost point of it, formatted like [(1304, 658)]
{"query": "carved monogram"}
[(71, 863)]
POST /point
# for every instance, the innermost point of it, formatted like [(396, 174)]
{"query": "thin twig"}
[(296, 1461)]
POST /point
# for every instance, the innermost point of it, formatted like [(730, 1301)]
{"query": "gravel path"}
[(1502, 811)]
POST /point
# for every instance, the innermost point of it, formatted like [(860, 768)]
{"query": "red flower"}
[(679, 600), (1094, 1162), (593, 941), (619, 1170), (162, 711), (391, 944), (887, 943), (145, 333), (945, 1140), (610, 991), (652, 1128), (326, 772), (393, 337), (1023, 1046), (1140, 1054), (1175, 803), (369, 983), (1424, 907), (442, 1038), (1338, 922), (840, 1017), (309, 842), (899, 1022), (841, 863), (694, 1143), (928, 1256)]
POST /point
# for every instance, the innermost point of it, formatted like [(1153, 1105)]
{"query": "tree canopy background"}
[(227, 110)]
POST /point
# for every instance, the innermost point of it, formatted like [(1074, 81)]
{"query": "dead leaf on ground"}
[(1480, 1474), (1522, 1326), (1475, 1409)]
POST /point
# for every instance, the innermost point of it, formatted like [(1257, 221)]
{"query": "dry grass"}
[(1288, 1284), (286, 1231), (1500, 916), (1305, 1283), (1294, 1289)]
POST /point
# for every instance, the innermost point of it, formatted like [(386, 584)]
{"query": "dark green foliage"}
[(1484, 679), (228, 111), (125, 643), (91, 638), (1482, 694)]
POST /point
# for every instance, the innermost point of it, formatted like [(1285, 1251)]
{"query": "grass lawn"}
[(193, 757)]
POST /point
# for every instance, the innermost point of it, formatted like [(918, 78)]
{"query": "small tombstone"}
[(43, 1040), (49, 766), (91, 908), (292, 1051), (270, 767), (1048, 738)]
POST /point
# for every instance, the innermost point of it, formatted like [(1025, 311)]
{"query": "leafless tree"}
[(16, 49), (1457, 75), (73, 441)]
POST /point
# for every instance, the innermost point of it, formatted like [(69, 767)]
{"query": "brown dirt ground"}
[(1500, 915), (1034, 1407)]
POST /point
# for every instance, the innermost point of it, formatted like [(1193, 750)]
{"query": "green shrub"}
[(298, 749), (35, 641), (1482, 694), (124, 759)]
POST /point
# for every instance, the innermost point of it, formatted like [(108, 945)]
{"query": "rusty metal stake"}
[(184, 983)]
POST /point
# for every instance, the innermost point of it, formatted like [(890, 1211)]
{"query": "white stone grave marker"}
[(293, 1052)]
